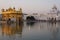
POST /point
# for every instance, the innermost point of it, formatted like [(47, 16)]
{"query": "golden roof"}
[(11, 10)]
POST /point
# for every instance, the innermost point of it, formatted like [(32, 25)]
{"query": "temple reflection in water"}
[(30, 31), (12, 29)]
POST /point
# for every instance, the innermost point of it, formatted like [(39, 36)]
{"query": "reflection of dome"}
[(11, 30)]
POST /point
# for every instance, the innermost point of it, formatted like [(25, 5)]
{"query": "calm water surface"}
[(30, 31)]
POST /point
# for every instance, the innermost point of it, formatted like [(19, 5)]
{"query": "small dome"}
[(2, 10), (13, 7), (54, 7), (20, 8), (10, 9)]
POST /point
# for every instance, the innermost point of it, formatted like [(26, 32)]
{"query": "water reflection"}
[(47, 30), (30, 23), (12, 29), (31, 31), (54, 30)]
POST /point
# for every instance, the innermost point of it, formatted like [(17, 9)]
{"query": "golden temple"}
[(12, 14)]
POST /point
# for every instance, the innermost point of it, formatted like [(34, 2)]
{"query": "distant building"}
[(12, 14), (55, 13)]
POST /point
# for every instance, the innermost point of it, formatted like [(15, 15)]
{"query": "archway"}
[(30, 18)]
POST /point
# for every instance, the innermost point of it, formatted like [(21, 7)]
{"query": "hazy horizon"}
[(30, 6)]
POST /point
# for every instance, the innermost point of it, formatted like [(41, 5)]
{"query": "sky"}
[(30, 6)]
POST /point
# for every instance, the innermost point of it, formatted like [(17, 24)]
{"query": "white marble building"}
[(54, 13)]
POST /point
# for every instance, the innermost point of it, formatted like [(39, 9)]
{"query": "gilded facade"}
[(12, 14)]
